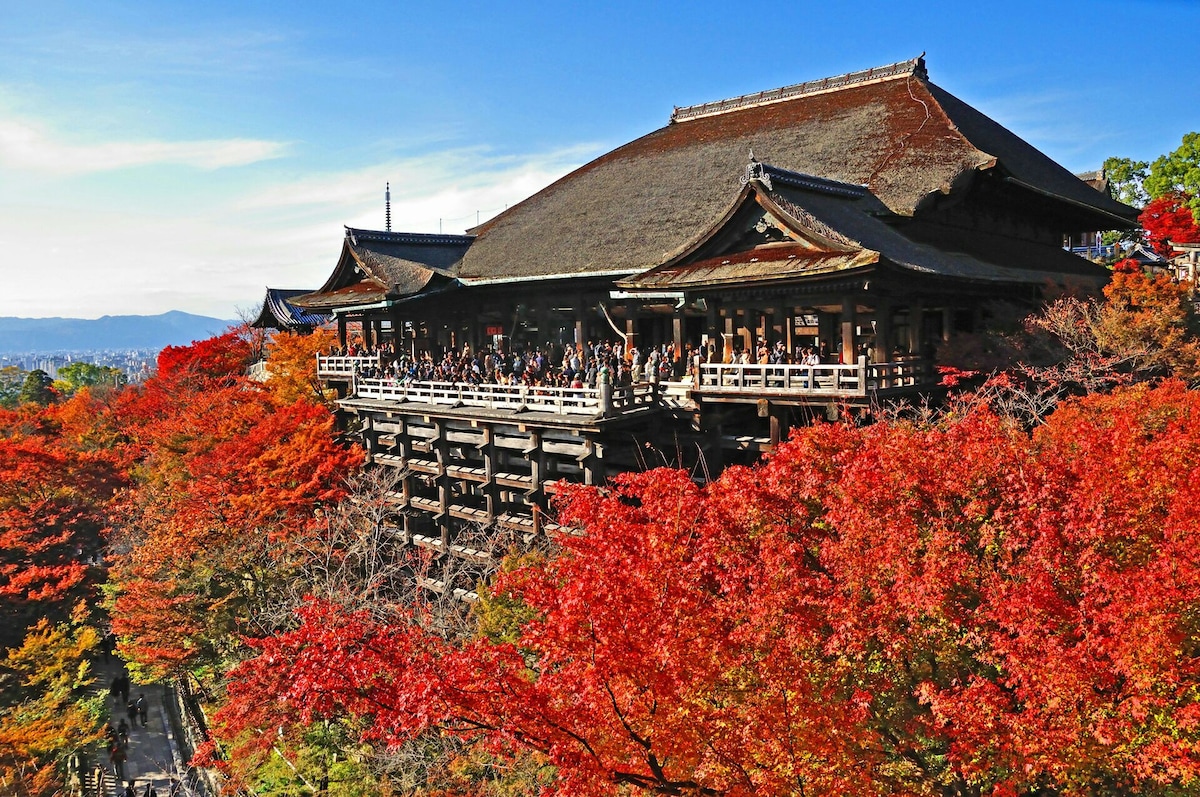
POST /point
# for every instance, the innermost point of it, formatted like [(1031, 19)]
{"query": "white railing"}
[(332, 366), (833, 380), (258, 371), (514, 398)]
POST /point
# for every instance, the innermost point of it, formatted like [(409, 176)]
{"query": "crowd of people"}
[(566, 365)]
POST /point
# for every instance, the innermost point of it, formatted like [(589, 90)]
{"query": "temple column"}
[(883, 331), (916, 327), (712, 329), (631, 313), (849, 321), (947, 322), (727, 337), (341, 330), (783, 314), (579, 331)]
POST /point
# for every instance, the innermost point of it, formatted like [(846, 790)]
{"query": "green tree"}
[(1178, 172), (11, 380), (79, 374), (36, 389), (1125, 180)]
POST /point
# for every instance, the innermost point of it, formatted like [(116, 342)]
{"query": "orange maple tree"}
[(224, 473)]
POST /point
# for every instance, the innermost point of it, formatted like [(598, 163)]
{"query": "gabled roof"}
[(279, 313), (810, 229), (377, 265), (903, 137)]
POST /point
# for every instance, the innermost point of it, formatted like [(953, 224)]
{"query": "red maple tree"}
[(1168, 218), (957, 609)]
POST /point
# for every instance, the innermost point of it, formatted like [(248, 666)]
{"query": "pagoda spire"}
[(387, 206)]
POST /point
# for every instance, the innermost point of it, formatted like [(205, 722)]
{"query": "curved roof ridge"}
[(811, 182), (426, 238), (913, 66)]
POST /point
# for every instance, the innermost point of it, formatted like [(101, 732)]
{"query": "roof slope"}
[(279, 313), (377, 265), (897, 133), (862, 238), (404, 262)]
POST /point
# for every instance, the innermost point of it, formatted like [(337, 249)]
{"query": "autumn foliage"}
[(224, 474), (959, 609), (1169, 218)]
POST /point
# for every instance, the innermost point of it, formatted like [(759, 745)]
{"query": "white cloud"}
[(124, 258), (27, 146)]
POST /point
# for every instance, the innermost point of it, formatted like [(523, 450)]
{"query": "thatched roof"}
[(889, 129)]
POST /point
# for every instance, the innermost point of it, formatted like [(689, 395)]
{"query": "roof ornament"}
[(756, 171), (387, 205)]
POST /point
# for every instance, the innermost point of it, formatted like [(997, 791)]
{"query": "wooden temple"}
[(869, 217)]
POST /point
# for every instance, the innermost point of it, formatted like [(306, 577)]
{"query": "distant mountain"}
[(109, 332)]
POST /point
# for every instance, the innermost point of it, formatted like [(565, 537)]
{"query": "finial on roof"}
[(387, 204), (755, 171)]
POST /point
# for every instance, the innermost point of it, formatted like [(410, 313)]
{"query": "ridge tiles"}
[(768, 174), (911, 67), (355, 235)]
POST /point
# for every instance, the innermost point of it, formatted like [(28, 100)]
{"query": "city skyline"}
[(160, 157)]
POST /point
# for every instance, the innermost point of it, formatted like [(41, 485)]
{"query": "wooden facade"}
[(882, 220)]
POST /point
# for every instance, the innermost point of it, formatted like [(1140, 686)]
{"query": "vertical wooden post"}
[(883, 332), (579, 331), (916, 327), (849, 322), (712, 328), (631, 312), (727, 336)]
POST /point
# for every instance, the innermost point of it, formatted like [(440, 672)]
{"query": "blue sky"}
[(164, 155)]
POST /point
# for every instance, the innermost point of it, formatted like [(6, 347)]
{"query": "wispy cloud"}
[(127, 258), (28, 146), (450, 190)]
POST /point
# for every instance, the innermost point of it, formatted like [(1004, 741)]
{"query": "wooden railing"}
[(605, 399), (344, 367), (832, 380)]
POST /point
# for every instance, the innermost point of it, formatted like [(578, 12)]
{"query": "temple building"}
[(867, 218)]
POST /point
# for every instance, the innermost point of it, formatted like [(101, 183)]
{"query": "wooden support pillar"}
[(778, 425), (713, 330), (883, 331), (849, 322), (727, 338), (783, 316), (541, 318), (341, 330), (947, 322), (593, 469), (677, 332), (916, 327), (631, 313), (579, 330), (490, 489), (826, 333), (537, 462), (442, 449)]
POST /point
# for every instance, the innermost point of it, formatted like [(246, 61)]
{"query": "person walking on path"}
[(140, 708)]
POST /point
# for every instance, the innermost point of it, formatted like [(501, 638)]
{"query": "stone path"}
[(153, 756)]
